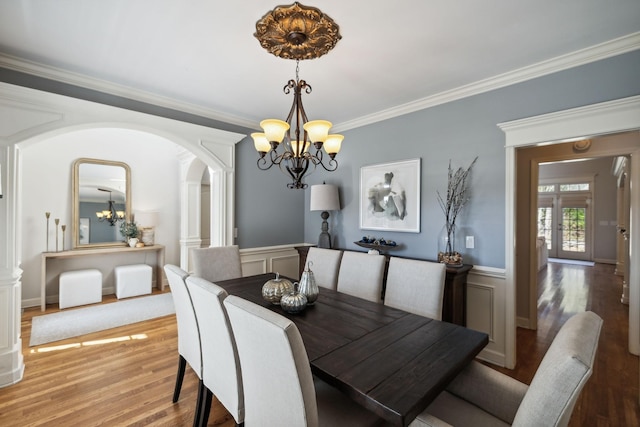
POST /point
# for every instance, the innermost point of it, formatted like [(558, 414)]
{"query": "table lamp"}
[(324, 197), (147, 221)]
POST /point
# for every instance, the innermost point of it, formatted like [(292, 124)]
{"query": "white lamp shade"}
[(317, 130), (274, 129), (146, 219), (324, 197), (295, 147), (260, 142), (333, 143)]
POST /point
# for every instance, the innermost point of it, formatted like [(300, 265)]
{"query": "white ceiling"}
[(394, 57)]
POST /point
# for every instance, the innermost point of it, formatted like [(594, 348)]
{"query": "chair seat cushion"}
[(457, 412)]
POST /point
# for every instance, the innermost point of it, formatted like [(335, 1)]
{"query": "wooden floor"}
[(125, 376)]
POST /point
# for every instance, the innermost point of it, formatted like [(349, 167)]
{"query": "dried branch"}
[(457, 188)]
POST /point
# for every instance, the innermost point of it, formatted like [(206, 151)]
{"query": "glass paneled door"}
[(565, 222)]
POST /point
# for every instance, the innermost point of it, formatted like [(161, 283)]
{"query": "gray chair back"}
[(325, 266), (220, 364), (361, 275), (416, 286), (188, 330), (562, 374), (277, 381), (216, 264)]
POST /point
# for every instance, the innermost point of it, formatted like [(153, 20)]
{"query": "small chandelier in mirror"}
[(111, 215), (297, 32)]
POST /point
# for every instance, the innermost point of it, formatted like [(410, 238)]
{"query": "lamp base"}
[(324, 241)]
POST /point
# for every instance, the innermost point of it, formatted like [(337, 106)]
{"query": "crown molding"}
[(595, 53), (76, 79), (598, 52)]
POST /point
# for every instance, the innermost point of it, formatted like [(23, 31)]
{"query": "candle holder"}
[(47, 214), (57, 221), (64, 227)]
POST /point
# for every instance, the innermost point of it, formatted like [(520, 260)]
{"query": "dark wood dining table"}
[(389, 361)]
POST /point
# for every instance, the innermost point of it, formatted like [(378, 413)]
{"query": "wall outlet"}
[(470, 243)]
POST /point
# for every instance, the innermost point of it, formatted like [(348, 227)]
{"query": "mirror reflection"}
[(101, 202)]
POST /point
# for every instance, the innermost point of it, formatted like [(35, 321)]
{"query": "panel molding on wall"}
[(486, 292), (270, 259)]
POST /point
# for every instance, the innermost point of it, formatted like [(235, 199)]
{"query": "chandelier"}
[(111, 215), (297, 32)]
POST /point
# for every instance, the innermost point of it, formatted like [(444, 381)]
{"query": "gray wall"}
[(460, 131), (267, 213)]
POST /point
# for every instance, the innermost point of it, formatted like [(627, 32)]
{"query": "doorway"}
[(566, 213), (622, 115)]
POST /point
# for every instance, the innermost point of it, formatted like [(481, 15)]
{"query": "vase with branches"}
[(451, 204)]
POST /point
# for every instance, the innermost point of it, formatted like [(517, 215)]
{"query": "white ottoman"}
[(133, 280), (80, 287)]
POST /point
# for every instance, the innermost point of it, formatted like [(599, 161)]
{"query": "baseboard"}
[(523, 322), (605, 261), (492, 357)]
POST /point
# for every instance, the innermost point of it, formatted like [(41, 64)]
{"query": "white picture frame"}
[(390, 196)]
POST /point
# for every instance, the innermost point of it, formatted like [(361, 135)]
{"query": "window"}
[(583, 186)]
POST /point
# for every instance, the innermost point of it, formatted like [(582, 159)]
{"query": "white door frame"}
[(598, 119)]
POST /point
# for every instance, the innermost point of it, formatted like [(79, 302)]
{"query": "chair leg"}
[(205, 409), (182, 365), (202, 393)]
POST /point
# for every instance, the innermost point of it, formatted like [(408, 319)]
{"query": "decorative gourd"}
[(274, 289), (293, 302), (308, 285)]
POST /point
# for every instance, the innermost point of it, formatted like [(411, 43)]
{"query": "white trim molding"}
[(563, 126)]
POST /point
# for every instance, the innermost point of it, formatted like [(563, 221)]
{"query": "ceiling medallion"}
[(297, 32)]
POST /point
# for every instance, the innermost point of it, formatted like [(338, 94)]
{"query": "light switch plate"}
[(470, 243)]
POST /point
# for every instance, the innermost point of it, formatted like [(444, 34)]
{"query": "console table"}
[(157, 250), (454, 306)]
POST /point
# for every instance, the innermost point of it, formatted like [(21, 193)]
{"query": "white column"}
[(11, 361)]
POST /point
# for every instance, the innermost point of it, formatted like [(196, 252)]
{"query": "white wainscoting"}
[(272, 259), (486, 291)]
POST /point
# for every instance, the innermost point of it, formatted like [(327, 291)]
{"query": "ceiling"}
[(394, 57)]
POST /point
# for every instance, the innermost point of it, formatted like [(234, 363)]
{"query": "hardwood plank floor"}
[(125, 376), (610, 397)]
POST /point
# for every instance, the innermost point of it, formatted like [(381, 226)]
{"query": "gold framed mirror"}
[(101, 201)]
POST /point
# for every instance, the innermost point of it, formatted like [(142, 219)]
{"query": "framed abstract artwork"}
[(390, 196)]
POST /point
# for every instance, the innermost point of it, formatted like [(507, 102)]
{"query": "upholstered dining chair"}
[(217, 263), (415, 286), (325, 264), (279, 389), (361, 275), (481, 396), (220, 366), (188, 331)]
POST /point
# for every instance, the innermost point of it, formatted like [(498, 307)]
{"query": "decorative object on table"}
[(47, 215), (274, 289), (308, 285), (129, 231), (390, 196), (297, 32), (452, 204), (146, 223), (111, 214), (376, 245), (57, 221), (293, 302), (325, 198), (64, 227)]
